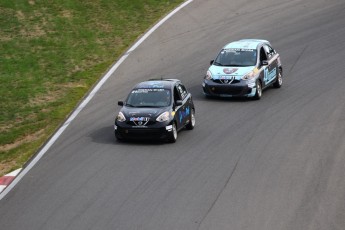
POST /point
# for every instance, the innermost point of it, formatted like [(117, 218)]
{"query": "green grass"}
[(52, 52)]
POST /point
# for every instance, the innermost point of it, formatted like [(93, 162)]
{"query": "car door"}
[(177, 108), (262, 65), (271, 70), (187, 102), (182, 112)]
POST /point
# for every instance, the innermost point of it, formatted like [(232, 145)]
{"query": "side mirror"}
[(178, 102), (264, 62), (211, 62), (120, 103)]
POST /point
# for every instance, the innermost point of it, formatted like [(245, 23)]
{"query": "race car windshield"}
[(236, 57), (149, 98)]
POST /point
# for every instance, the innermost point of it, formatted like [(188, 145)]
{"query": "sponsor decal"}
[(147, 90), (227, 79), (240, 49), (138, 118), (139, 121), (229, 70)]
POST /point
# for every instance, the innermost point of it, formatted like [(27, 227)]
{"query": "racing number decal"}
[(265, 75), (269, 75)]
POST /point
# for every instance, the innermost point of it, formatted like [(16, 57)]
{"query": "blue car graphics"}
[(183, 114)]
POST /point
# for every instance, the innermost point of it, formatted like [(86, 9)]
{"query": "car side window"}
[(263, 55), (177, 95), (182, 91), (269, 51)]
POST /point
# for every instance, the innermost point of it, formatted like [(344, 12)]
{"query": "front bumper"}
[(157, 131), (240, 89)]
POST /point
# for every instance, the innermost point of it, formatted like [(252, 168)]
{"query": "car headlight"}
[(120, 117), (163, 117), (208, 75), (249, 76)]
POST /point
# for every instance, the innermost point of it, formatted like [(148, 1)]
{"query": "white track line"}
[(87, 99)]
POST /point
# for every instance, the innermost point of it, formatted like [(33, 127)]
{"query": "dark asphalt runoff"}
[(273, 164)]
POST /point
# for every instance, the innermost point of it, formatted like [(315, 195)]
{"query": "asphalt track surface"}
[(277, 163)]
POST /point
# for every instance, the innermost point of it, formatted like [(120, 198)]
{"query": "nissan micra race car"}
[(155, 109), (243, 69)]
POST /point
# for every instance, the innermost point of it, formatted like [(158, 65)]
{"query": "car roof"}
[(245, 44), (159, 83)]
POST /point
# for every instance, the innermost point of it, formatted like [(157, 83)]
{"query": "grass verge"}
[(52, 52)]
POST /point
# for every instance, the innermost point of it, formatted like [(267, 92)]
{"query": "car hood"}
[(219, 72), (142, 112)]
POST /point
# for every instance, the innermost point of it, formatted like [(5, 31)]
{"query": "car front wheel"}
[(191, 123), (173, 134), (118, 137), (278, 83), (258, 92)]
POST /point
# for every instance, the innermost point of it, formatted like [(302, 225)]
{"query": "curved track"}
[(277, 163)]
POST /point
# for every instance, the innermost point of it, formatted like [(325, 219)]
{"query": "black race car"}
[(155, 109)]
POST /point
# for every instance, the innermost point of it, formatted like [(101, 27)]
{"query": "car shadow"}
[(198, 95), (105, 135)]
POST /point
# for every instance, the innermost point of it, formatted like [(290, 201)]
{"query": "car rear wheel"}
[(191, 123), (258, 92), (278, 83), (173, 134)]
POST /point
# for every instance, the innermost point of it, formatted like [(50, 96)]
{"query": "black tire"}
[(278, 83), (258, 93), (173, 134), (191, 123), (118, 138), (209, 96)]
